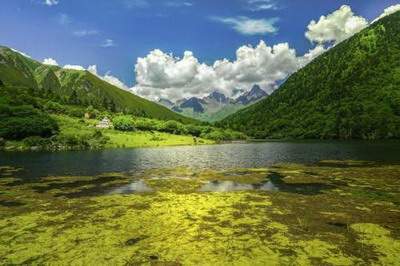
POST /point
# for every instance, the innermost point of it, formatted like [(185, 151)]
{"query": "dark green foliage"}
[(123, 123), (351, 91), (128, 123), (68, 141), (23, 121)]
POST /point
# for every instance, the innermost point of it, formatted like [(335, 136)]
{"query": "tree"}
[(123, 123)]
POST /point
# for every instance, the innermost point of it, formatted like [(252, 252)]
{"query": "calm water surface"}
[(224, 156)]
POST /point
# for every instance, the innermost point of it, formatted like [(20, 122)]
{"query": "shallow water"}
[(231, 207), (38, 164)]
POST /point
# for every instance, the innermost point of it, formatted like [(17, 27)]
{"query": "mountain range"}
[(22, 75), (216, 105), (352, 91)]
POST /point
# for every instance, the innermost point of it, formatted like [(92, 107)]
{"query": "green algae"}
[(78, 220), (382, 242)]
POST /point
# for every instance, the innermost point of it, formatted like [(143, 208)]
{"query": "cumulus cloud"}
[(51, 2), (388, 11), (312, 54), (161, 75), (115, 81), (335, 27), (249, 26), (74, 67), (50, 61), (92, 69), (259, 5), (108, 78)]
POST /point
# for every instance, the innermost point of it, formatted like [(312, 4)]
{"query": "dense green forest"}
[(350, 92)]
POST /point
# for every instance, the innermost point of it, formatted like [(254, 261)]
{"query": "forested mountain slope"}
[(24, 75), (351, 91)]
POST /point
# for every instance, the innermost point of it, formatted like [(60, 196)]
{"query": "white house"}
[(105, 123)]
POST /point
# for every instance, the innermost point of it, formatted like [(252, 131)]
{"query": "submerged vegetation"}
[(332, 213)]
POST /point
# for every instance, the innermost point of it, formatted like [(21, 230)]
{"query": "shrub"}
[(54, 107), (194, 130), (123, 123), (37, 141), (24, 121), (146, 124)]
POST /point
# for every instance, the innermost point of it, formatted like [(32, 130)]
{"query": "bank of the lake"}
[(82, 134)]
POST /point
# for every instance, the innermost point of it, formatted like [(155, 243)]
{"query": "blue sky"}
[(113, 34)]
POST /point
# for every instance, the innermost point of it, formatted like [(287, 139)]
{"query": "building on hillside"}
[(105, 123)]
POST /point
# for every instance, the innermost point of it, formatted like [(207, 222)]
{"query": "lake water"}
[(226, 156), (215, 205)]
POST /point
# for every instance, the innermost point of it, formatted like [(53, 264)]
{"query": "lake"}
[(37, 164), (272, 203)]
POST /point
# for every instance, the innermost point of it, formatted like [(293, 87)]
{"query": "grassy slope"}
[(118, 139), (74, 126), (19, 71), (351, 91)]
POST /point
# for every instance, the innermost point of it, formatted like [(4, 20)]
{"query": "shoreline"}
[(20, 147)]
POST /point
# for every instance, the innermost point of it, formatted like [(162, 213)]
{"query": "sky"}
[(183, 48)]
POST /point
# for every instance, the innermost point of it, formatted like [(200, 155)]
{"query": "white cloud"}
[(335, 27), (108, 78), (388, 11), (83, 33), (74, 67), (161, 75), (260, 5), (108, 43), (249, 26), (114, 81), (22, 53), (312, 54), (51, 2), (92, 69), (50, 61)]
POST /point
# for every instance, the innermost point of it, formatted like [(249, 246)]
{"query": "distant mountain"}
[(255, 94), (350, 92), (216, 105), (217, 97), (74, 87), (195, 104)]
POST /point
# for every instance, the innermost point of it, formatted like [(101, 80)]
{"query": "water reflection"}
[(252, 155), (225, 186), (273, 182), (135, 187)]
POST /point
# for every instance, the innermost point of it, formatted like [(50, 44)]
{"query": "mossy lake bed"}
[(328, 213)]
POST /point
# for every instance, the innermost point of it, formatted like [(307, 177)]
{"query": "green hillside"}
[(74, 87), (351, 91)]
